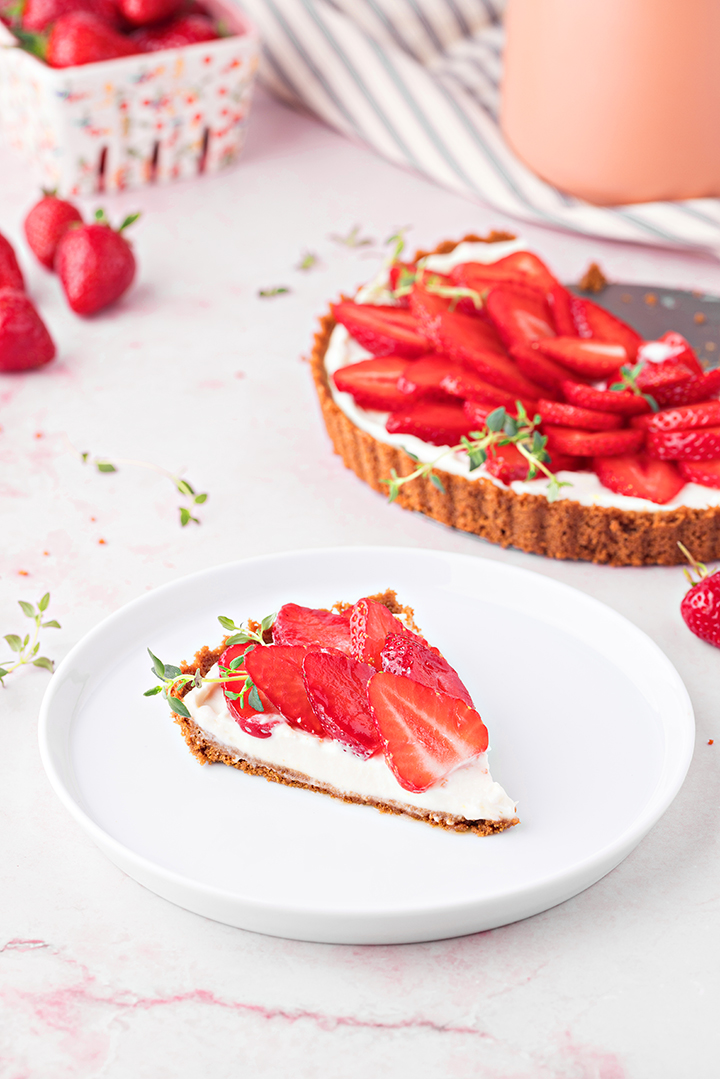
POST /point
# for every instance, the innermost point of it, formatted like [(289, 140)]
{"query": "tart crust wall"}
[(562, 529), (208, 751)]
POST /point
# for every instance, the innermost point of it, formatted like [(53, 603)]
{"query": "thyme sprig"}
[(353, 238), (26, 648), (181, 485), (501, 429), (629, 382), (173, 681), (275, 290), (308, 262)]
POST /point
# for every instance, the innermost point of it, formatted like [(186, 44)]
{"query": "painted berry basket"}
[(135, 120)]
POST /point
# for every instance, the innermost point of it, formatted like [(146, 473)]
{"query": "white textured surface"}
[(100, 979)]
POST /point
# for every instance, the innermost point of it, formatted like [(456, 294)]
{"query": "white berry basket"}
[(135, 120)]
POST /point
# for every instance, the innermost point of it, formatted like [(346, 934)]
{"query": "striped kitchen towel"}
[(418, 80)]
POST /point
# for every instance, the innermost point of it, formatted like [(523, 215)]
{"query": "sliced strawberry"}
[(455, 332), (427, 307), (464, 339), (706, 473), (698, 445), (370, 623), (411, 657), (587, 419), (506, 463), (258, 724), (437, 422), (593, 443), (625, 403), (670, 384), (307, 625), (519, 315), (683, 418), (422, 379), (560, 303), (520, 268), (384, 331), (427, 735), (594, 321), (592, 359), (671, 347), (373, 383), (276, 670), (336, 686), (539, 369), (639, 476), (461, 382)]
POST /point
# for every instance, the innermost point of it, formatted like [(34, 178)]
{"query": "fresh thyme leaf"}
[(237, 662), (199, 499), (158, 667), (13, 641), (153, 691), (27, 608), (496, 420), (268, 621), (43, 661), (184, 487), (172, 672), (238, 638), (254, 699), (230, 695), (178, 707), (276, 290), (510, 427), (353, 239), (437, 482), (412, 456), (186, 516), (42, 603), (3, 673), (52, 624), (308, 261), (105, 466), (129, 220), (226, 623)]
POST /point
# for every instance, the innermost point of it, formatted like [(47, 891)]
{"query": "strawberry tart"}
[(472, 386), (351, 702)]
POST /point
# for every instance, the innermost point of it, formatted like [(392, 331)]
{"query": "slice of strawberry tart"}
[(472, 386), (351, 702)]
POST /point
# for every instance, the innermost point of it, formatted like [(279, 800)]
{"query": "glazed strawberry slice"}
[(591, 359), (593, 443), (506, 463), (296, 625), (594, 321), (436, 422), (411, 657), (706, 473), (520, 268), (276, 670), (470, 387), (370, 623), (456, 333), (639, 476), (464, 339), (539, 369), (670, 348), (427, 307), (587, 419), (373, 383), (258, 724), (427, 735), (683, 418), (622, 402), (336, 686), (422, 379), (698, 445), (519, 315), (559, 301), (384, 331)]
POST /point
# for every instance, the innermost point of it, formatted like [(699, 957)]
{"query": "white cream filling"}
[(469, 793), (586, 487)]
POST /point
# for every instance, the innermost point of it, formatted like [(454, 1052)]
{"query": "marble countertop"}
[(195, 373)]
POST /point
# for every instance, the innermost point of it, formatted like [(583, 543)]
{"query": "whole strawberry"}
[(39, 14), (175, 34), (700, 606), (83, 38), (144, 12), (24, 339), (95, 264), (10, 273), (46, 224)]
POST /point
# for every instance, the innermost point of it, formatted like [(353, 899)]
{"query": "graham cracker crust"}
[(208, 751), (563, 529)]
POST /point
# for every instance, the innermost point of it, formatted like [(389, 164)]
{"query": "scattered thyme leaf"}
[(226, 623), (105, 466), (158, 667), (276, 290), (308, 261), (254, 700), (353, 238), (437, 482), (179, 708), (26, 648), (199, 499), (153, 691)]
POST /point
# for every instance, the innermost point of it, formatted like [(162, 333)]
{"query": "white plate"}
[(591, 731)]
